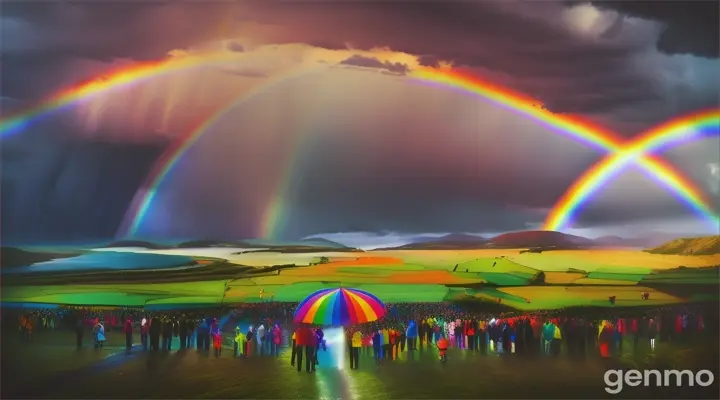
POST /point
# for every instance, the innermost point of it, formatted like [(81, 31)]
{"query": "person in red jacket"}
[(470, 334), (305, 339), (128, 331)]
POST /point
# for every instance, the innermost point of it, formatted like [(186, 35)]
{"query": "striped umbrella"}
[(339, 306)]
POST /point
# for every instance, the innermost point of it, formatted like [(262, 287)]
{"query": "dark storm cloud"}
[(691, 27), (57, 189), (539, 56), (108, 30), (372, 62), (529, 52), (428, 61), (533, 55)]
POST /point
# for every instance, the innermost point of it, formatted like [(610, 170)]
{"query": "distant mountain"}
[(617, 241), (136, 243), (209, 243), (322, 242), (15, 257), (539, 239), (700, 246), (458, 241)]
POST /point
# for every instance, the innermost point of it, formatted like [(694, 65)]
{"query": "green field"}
[(523, 281)]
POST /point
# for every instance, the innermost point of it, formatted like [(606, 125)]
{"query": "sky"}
[(327, 133)]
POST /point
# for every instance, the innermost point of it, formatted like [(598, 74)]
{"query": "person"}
[(99, 333), (276, 339), (548, 334), (306, 343), (377, 346), (155, 330), (442, 345), (386, 350), (319, 343), (367, 342), (217, 343), (128, 331), (294, 348), (183, 331), (144, 329), (239, 342), (250, 341), (356, 340), (167, 334), (652, 333), (260, 338), (299, 346), (469, 328), (557, 340), (79, 333), (412, 335)]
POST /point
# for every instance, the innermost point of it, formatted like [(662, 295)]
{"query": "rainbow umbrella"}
[(339, 306)]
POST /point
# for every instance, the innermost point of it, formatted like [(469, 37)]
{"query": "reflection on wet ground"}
[(192, 374)]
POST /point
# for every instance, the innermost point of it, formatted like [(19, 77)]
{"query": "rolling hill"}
[(14, 257), (700, 246), (136, 243), (458, 241), (540, 239), (537, 240)]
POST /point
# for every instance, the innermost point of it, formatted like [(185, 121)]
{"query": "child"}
[(442, 346), (99, 333)]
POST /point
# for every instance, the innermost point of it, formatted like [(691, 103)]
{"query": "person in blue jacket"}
[(412, 335), (548, 334), (377, 346)]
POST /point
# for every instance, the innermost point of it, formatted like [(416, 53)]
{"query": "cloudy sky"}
[(329, 133)]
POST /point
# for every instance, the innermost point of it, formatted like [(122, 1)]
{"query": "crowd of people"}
[(262, 329)]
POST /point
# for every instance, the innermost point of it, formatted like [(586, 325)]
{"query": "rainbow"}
[(678, 130), (118, 78), (140, 206), (572, 127), (580, 130), (271, 220)]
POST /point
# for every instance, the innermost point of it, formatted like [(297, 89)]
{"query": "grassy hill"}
[(15, 257), (700, 246)]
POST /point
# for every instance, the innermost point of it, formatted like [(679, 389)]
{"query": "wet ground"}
[(50, 367)]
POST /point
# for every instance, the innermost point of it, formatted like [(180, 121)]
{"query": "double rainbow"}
[(670, 133), (679, 130)]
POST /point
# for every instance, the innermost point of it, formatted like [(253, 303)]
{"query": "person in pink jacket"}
[(276, 339)]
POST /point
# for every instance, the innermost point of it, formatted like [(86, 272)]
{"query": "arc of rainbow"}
[(114, 79), (449, 78), (140, 205), (684, 128), (592, 135), (658, 170)]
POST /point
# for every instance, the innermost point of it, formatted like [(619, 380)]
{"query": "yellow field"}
[(580, 277), (561, 260)]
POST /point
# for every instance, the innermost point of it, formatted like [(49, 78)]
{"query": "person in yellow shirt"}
[(386, 343), (356, 341), (294, 351), (239, 342)]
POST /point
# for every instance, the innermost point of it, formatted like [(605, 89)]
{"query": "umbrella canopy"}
[(339, 306)]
